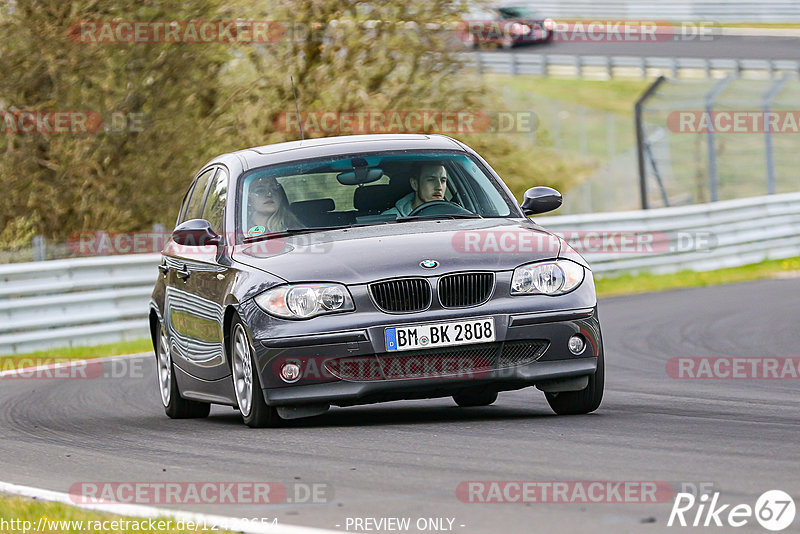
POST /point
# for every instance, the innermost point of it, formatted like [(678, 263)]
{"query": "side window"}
[(194, 204), (185, 201), (214, 211)]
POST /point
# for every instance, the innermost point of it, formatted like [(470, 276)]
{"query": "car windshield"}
[(517, 12), (366, 189)]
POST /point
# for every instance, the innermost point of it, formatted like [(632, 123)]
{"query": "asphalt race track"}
[(405, 459), (718, 47)]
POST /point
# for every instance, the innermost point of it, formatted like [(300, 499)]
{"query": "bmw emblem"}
[(429, 264)]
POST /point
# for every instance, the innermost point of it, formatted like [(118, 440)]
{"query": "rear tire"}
[(580, 402), (471, 399), (175, 406), (246, 384)]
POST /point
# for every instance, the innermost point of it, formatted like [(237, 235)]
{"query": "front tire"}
[(246, 384), (175, 406), (584, 401)]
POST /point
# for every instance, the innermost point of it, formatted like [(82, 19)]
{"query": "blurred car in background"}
[(507, 25)]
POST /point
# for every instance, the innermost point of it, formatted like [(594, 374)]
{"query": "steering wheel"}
[(439, 207)]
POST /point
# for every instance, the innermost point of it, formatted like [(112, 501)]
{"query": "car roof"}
[(332, 146)]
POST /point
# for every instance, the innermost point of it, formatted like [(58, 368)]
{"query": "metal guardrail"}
[(700, 237), (102, 300), (605, 67), (78, 301)]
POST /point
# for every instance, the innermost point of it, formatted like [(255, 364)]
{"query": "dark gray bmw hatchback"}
[(362, 269)]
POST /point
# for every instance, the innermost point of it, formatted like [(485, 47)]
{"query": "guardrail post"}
[(557, 126), (707, 67), (39, 248), (609, 67), (713, 178), (582, 139), (579, 66), (538, 69), (644, 68), (611, 137), (674, 67), (545, 65), (640, 139), (738, 68), (514, 64), (769, 96)]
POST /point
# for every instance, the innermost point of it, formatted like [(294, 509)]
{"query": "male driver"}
[(430, 185)]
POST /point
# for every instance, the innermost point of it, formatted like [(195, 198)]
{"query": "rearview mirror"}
[(360, 175), (540, 199), (195, 233)]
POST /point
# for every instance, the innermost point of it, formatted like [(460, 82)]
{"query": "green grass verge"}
[(76, 353), (16, 510), (615, 96), (646, 283)]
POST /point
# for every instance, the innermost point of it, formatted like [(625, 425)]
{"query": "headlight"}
[(304, 301), (547, 278)]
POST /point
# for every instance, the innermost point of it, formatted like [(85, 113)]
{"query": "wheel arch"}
[(154, 320), (227, 324)]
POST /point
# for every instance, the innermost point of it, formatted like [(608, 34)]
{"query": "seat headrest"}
[(318, 205), (374, 198)]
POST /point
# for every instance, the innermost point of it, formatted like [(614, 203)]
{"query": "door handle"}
[(184, 273), (164, 268)]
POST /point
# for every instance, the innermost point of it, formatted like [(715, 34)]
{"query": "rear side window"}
[(214, 211), (194, 202)]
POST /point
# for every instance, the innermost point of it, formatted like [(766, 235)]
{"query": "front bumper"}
[(317, 386)]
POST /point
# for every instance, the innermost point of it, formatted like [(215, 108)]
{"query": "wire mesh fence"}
[(710, 140), (604, 141)]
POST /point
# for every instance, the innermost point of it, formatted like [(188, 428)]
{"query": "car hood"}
[(364, 254)]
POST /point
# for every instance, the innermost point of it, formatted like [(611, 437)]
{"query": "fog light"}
[(576, 344), (290, 373)]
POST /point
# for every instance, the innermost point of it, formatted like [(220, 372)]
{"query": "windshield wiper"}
[(442, 216), (307, 230)]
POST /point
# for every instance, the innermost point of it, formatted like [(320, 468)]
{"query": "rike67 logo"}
[(774, 510)]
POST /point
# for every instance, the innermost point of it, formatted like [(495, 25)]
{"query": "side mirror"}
[(540, 199), (195, 233)]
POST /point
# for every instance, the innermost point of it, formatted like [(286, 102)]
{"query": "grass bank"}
[(18, 514)]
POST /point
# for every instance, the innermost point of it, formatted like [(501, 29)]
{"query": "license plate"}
[(425, 336)]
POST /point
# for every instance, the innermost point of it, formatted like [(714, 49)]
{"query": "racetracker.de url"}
[(45, 524)]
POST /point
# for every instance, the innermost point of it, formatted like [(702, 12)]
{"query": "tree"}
[(159, 96)]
